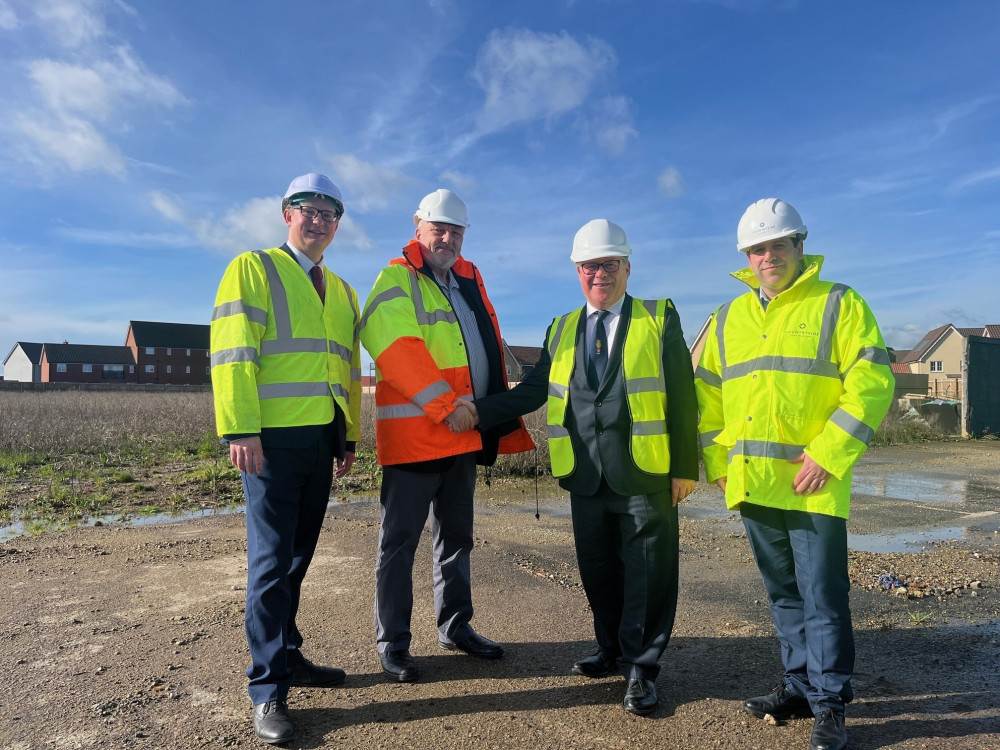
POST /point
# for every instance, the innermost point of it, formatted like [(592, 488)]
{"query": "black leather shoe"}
[(474, 645), (398, 665), (598, 665), (781, 704), (307, 674), (271, 722), (829, 732), (640, 696)]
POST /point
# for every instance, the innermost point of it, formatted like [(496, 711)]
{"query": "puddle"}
[(925, 488), (910, 541)]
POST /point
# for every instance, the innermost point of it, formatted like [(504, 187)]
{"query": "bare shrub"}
[(900, 427)]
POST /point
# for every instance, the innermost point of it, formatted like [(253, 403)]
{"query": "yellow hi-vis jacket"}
[(280, 356), (642, 363), (809, 374)]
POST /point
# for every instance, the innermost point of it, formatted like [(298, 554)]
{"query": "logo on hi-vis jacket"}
[(802, 330)]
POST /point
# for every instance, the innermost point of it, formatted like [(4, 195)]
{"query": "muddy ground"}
[(132, 637)]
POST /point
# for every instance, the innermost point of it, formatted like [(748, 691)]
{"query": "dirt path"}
[(133, 637)]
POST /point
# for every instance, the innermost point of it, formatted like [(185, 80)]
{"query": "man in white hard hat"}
[(286, 377), (792, 384), (434, 336), (622, 440)]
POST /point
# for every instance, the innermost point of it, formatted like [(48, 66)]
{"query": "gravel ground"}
[(120, 637)]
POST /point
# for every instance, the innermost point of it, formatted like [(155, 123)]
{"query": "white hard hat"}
[(768, 219), (315, 184), (444, 207), (599, 238)]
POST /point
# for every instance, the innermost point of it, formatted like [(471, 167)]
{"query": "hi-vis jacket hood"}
[(808, 374)]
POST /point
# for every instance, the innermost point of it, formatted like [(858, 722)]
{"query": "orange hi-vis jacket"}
[(422, 368)]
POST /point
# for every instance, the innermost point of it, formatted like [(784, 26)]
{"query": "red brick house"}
[(86, 363), (170, 353)]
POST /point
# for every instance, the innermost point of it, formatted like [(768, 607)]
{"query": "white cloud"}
[(70, 141), (974, 179), (670, 182), (8, 19), (71, 23), (463, 183), (106, 238), (369, 186), (530, 76), (612, 123)]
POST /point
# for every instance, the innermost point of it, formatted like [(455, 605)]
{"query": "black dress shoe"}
[(781, 704), (271, 722), (640, 696), (474, 645), (398, 665), (829, 732), (307, 674), (598, 665)]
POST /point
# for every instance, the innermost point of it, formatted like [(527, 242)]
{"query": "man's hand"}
[(811, 477), (468, 404), (721, 481), (344, 465), (680, 489), (463, 418), (247, 454)]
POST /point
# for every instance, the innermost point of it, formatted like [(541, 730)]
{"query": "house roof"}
[(970, 331), (177, 335), (32, 351), (526, 355), (993, 331), (900, 367), (924, 345), (88, 354)]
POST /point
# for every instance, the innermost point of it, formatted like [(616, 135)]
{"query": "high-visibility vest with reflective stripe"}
[(642, 364), (280, 356), (810, 374)]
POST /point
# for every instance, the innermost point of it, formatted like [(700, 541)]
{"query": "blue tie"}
[(599, 351)]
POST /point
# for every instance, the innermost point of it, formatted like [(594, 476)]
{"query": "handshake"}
[(465, 417)]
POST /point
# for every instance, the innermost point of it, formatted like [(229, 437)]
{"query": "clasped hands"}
[(465, 417)]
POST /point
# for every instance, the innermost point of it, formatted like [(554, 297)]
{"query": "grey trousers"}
[(408, 500)]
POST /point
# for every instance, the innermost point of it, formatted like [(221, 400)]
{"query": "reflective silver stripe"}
[(339, 350), (642, 385), (238, 307), (236, 354), (293, 346), (720, 328), (279, 298), (765, 449), (650, 305), (400, 411), (852, 426), (388, 294), (339, 390), (709, 378), (875, 354), (707, 439), (425, 318), (431, 392), (558, 391), (557, 431), (831, 316), (292, 390), (775, 363), (356, 374), (649, 427), (554, 342)]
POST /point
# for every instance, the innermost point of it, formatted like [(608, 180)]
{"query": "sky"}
[(145, 144)]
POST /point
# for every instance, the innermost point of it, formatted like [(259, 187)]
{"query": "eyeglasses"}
[(609, 266), (311, 213)]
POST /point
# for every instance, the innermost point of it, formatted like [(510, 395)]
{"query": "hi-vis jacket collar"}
[(811, 264)]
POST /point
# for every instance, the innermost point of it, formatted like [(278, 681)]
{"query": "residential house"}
[(939, 355), (170, 353), (518, 360), (23, 363), (86, 363)]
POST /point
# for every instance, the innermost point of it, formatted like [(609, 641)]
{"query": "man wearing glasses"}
[(286, 376), (434, 336), (622, 439)]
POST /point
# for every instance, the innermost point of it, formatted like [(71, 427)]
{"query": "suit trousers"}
[(627, 552), (408, 500), (285, 503), (803, 560)]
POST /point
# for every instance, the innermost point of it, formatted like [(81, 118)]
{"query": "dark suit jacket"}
[(598, 421)]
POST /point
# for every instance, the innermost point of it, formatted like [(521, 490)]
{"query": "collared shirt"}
[(764, 299), (610, 324), (479, 365), (304, 260)]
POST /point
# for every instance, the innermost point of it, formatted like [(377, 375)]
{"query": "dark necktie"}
[(599, 351), (316, 274)]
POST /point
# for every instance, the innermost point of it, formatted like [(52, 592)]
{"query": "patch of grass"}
[(918, 618), (900, 428)]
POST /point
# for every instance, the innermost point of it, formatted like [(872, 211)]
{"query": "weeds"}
[(918, 618)]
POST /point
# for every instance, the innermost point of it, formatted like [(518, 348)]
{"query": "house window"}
[(187, 370), (937, 366), (131, 369), (88, 368), (188, 352), (150, 368), (113, 372), (169, 368), (60, 367), (169, 351), (150, 350)]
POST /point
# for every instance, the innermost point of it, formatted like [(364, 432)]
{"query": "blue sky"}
[(144, 144)]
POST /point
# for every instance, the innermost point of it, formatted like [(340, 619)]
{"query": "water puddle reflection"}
[(925, 488)]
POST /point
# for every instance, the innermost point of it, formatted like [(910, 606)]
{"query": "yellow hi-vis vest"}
[(642, 361), (808, 375), (280, 356)]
